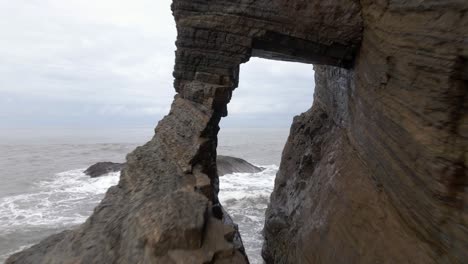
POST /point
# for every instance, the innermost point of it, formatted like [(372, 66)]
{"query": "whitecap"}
[(245, 196), (69, 197), (65, 200)]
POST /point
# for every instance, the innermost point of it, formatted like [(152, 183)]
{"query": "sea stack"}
[(374, 172)]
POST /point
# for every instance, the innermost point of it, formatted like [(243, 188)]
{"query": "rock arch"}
[(377, 135)]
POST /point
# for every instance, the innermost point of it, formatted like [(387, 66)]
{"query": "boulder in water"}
[(102, 168), (226, 165)]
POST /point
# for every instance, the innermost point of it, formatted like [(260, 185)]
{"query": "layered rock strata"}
[(375, 172), (165, 207)]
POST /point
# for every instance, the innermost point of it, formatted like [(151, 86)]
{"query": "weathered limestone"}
[(375, 172)]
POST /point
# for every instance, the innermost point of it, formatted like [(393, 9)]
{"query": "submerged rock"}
[(225, 165)]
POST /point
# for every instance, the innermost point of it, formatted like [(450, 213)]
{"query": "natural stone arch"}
[(412, 58), (165, 207), (215, 37)]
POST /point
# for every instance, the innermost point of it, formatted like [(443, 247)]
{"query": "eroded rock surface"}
[(375, 172), (165, 208)]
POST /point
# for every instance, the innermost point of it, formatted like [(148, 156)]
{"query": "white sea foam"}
[(238, 186), (69, 197), (245, 196), (66, 199)]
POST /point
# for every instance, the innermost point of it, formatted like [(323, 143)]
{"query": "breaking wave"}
[(245, 196), (68, 199), (62, 201)]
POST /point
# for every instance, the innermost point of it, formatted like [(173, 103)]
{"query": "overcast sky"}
[(108, 63)]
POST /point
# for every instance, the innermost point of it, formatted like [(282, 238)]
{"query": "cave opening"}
[(269, 95)]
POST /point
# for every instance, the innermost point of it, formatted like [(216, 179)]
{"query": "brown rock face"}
[(374, 172)]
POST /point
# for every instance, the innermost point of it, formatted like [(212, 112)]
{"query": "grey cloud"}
[(103, 62)]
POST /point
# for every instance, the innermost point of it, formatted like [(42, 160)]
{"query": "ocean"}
[(43, 189)]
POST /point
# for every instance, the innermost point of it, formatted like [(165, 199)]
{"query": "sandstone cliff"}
[(374, 172)]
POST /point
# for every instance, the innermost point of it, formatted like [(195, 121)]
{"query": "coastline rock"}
[(225, 165), (102, 168), (374, 172), (228, 165)]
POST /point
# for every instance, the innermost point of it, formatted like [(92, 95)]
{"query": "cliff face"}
[(374, 172)]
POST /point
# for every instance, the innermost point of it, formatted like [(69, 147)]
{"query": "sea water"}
[(43, 188)]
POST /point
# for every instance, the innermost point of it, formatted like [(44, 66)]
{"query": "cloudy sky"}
[(93, 63)]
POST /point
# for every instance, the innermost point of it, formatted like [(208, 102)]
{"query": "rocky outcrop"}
[(225, 165), (103, 168), (375, 172), (228, 165)]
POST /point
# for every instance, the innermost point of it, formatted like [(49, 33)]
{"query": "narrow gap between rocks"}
[(269, 95)]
